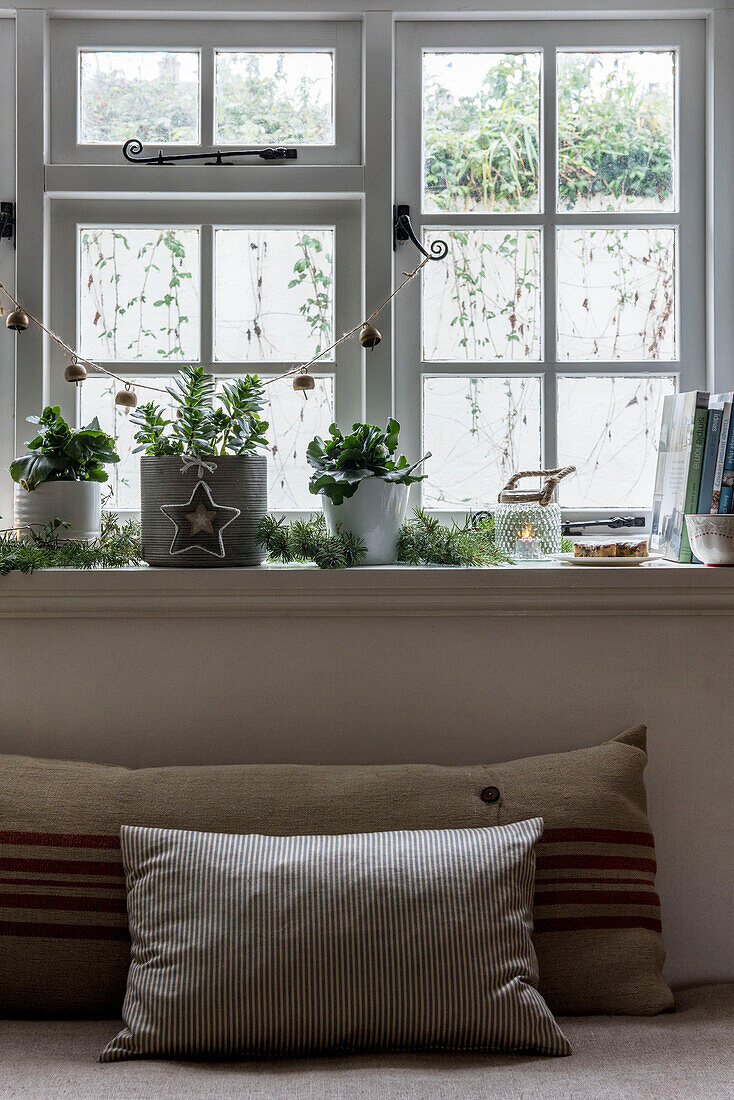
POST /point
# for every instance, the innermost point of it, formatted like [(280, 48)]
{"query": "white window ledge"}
[(398, 591)]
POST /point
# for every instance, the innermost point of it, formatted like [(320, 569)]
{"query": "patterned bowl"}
[(712, 538)]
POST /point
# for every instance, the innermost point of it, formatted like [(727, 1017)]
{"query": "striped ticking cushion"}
[(266, 945)]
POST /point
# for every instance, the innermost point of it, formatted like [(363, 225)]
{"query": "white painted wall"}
[(308, 683)]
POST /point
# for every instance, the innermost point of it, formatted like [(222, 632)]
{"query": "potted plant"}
[(203, 484), (60, 478), (364, 487)]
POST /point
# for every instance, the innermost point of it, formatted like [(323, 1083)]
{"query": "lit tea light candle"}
[(527, 548)]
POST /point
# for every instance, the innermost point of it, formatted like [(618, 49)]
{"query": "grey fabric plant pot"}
[(196, 516)]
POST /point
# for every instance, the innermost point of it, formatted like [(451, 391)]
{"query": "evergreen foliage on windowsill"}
[(118, 545)]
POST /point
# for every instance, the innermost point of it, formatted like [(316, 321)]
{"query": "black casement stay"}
[(133, 149), (7, 221), (572, 527), (402, 230)]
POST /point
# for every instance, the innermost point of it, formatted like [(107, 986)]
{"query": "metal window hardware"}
[(402, 230), (133, 148), (7, 221), (577, 528)]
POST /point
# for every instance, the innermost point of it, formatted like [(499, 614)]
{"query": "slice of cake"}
[(595, 550), (636, 549)]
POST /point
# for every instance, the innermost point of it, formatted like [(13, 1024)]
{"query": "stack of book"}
[(695, 470)]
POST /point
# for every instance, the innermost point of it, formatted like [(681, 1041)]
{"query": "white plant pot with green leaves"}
[(60, 479), (364, 488), (203, 473)]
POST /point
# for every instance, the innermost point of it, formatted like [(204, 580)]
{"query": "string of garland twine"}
[(24, 317)]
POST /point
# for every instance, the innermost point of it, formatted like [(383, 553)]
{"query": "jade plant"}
[(61, 453), (342, 462), (204, 422)]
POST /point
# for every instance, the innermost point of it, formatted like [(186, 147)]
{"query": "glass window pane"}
[(616, 126), (139, 293), (148, 94), (479, 431), (293, 422), (608, 428), (273, 299), (481, 125), (483, 302), (616, 294), (97, 398), (274, 97)]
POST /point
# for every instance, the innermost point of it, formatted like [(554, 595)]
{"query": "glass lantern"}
[(527, 523)]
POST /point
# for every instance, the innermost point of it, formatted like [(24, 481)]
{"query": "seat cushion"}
[(681, 1055), (64, 945)]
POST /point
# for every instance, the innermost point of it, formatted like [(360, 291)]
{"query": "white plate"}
[(569, 559)]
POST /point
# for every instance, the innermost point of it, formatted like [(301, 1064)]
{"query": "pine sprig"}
[(424, 540), (118, 545)]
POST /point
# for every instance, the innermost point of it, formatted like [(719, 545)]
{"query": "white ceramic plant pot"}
[(78, 503), (374, 514)]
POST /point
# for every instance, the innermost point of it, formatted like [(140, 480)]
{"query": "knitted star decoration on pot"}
[(199, 522)]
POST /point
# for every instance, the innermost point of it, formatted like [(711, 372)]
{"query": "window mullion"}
[(548, 147), (206, 320), (206, 97)]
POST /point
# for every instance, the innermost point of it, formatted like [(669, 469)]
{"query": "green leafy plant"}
[(197, 427), (61, 453), (118, 545), (342, 462)]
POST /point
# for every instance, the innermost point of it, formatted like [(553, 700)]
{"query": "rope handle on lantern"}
[(301, 369), (552, 478)]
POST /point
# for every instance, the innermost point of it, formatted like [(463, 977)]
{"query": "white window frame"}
[(43, 179), (70, 37), (687, 38)]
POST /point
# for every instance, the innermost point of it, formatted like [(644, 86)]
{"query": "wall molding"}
[(387, 592)]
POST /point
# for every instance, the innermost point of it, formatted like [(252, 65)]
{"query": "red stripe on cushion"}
[(63, 867), (599, 836), (616, 863), (581, 924), (64, 931), (61, 901), (596, 897), (559, 880), (61, 840)]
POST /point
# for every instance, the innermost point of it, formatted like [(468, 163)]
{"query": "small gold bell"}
[(76, 371), (127, 398), (303, 382), (369, 336), (18, 320)]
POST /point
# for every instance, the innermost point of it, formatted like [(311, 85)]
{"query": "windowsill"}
[(659, 588)]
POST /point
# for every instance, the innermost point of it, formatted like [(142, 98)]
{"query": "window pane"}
[(273, 297), (616, 294), (616, 128), (483, 301), (479, 432), (97, 398), (293, 422), (608, 428), (481, 125), (139, 293), (148, 94), (274, 97)]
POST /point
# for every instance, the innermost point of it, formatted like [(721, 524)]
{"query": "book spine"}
[(710, 454), (727, 480), (721, 456), (708, 466), (694, 476)]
